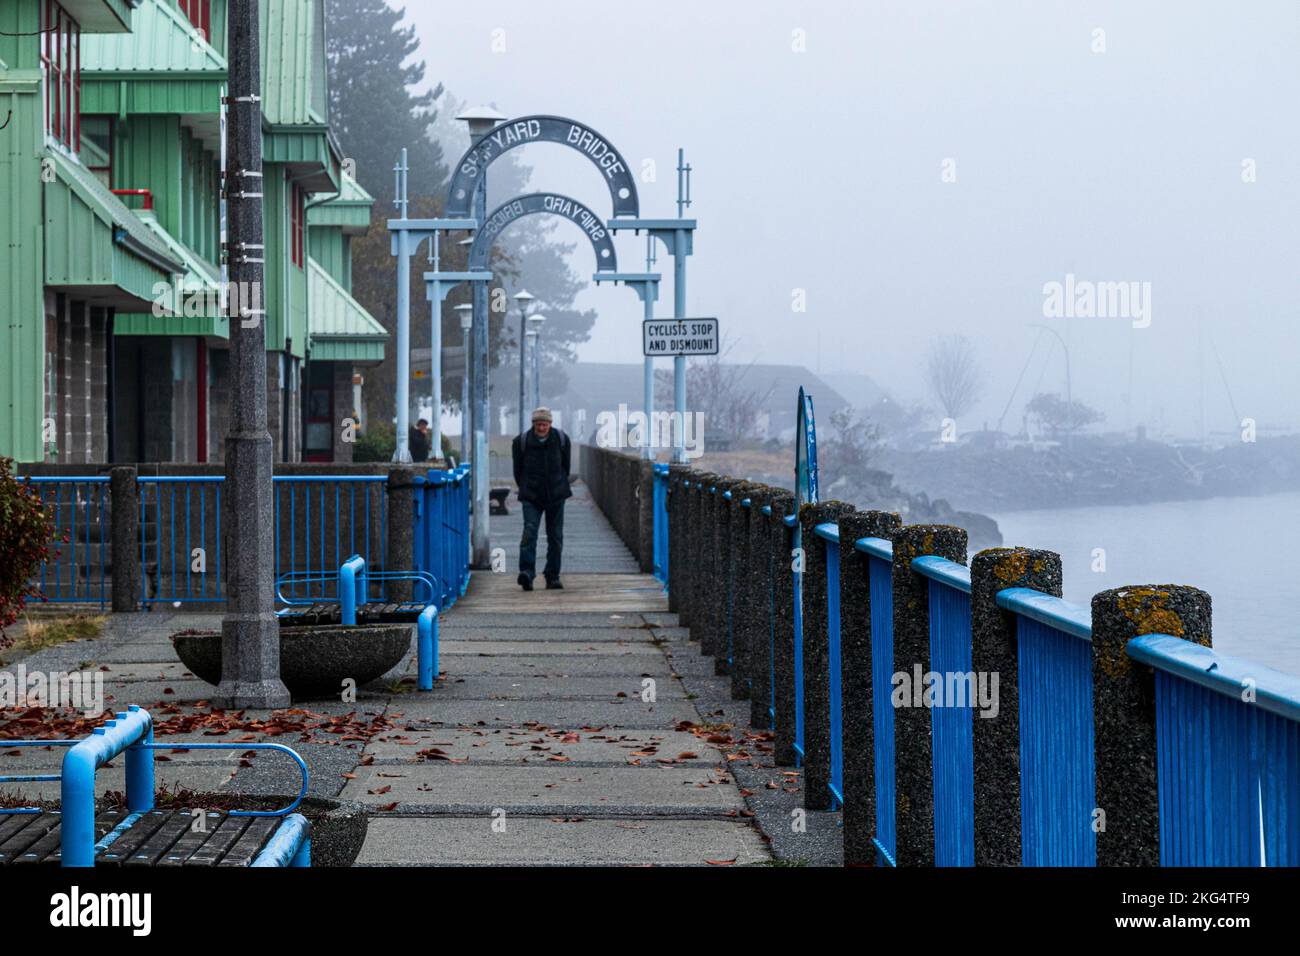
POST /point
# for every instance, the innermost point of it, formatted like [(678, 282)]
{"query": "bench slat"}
[(39, 850), (161, 841), (104, 824), (11, 823), (190, 841), (117, 852), (38, 824), (252, 841), (221, 839)]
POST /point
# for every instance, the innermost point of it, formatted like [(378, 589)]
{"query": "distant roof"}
[(162, 40)]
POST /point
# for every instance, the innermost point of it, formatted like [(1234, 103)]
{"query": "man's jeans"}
[(554, 539)]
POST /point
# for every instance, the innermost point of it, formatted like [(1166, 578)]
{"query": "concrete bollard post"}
[(781, 548), (646, 538), (758, 620), (678, 553), (1123, 709), (695, 553), (857, 704), (723, 639), (401, 530), (746, 596), (994, 650), (816, 654), (707, 586), (913, 770), (124, 524)]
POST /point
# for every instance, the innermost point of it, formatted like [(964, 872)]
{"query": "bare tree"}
[(953, 374), (718, 389)]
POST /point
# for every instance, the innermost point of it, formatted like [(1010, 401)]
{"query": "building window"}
[(200, 14), (61, 60), (297, 225), (97, 147)]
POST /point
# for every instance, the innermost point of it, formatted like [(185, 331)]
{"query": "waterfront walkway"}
[(569, 727)]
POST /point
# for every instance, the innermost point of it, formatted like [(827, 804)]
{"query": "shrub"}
[(376, 443), (27, 538)]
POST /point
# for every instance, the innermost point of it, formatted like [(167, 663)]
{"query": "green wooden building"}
[(119, 123)]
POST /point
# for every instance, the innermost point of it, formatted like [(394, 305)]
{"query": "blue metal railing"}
[(180, 563), (880, 583), (951, 699), (1054, 676), (831, 534), (1227, 755), (442, 546), (660, 525), (81, 510), (322, 519)]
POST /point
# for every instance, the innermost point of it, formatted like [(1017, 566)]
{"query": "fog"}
[(924, 168)]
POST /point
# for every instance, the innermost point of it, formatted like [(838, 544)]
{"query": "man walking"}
[(541, 458)]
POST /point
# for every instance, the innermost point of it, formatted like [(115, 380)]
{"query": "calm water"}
[(1237, 549)]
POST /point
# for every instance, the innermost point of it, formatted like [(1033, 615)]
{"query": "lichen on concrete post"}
[(695, 548), (913, 770), (758, 626), (817, 728), (709, 565), (401, 530), (124, 522), (857, 704), (782, 546), (994, 650), (1123, 711)]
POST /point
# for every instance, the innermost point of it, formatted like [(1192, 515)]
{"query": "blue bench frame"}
[(131, 732), (353, 590)]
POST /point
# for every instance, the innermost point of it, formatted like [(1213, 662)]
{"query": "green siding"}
[(147, 155), (292, 46), (22, 331), (162, 40), (329, 250), (121, 97), (20, 17)]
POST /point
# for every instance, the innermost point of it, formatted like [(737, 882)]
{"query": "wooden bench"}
[(140, 834)]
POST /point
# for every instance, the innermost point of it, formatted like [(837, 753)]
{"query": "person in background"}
[(420, 441), (541, 459)]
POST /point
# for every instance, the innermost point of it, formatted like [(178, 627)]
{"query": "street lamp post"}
[(250, 631), (525, 299), (480, 120), (535, 323)]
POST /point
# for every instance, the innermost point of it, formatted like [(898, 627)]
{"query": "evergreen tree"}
[(374, 108)]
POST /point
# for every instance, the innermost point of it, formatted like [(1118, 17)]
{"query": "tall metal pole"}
[(250, 631), (465, 417), (537, 374), (523, 365), (479, 540), (435, 359), (402, 450), (679, 308)]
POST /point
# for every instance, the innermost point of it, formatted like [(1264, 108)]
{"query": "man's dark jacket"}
[(542, 467)]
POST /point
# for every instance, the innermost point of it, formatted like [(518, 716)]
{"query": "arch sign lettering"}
[(542, 129), (554, 204)]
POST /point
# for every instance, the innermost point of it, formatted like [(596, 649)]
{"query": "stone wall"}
[(622, 486)]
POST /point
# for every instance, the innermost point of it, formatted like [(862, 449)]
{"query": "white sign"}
[(679, 337)]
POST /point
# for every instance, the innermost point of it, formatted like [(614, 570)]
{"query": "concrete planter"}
[(314, 660)]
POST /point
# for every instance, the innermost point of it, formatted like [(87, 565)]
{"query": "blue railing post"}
[(1124, 715), (913, 753), (77, 834), (427, 648)]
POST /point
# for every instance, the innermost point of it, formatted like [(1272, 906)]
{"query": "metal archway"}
[(542, 129), (552, 204)]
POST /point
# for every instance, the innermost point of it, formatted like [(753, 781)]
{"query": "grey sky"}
[(821, 171)]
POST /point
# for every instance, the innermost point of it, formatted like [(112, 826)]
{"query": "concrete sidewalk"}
[(561, 731)]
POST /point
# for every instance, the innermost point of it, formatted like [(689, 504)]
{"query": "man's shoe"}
[(554, 585), (525, 581)]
